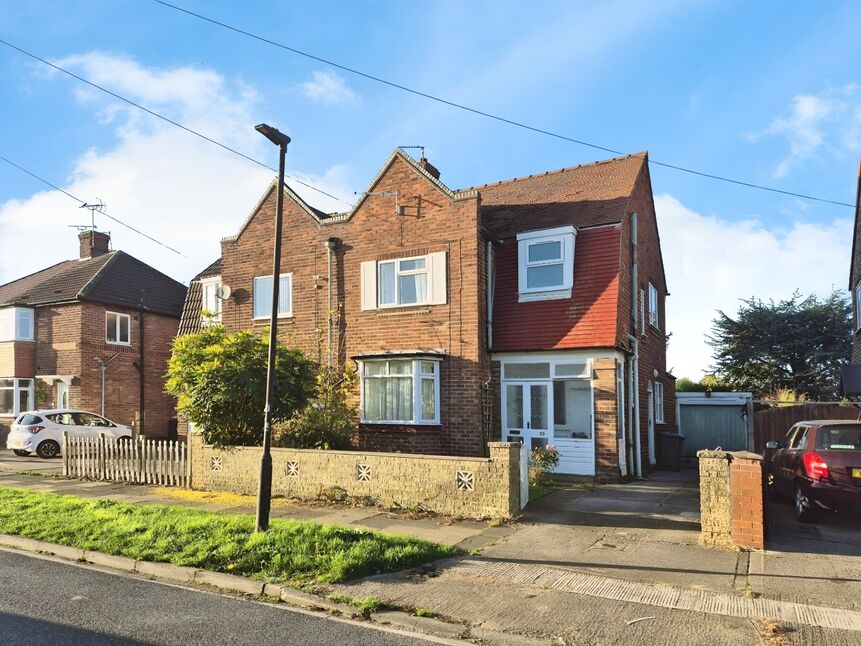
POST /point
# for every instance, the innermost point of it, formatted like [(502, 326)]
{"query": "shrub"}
[(541, 460), (219, 380), (328, 421)]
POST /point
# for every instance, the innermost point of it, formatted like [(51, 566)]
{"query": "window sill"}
[(550, 295), (398, 423), (125, 345), (403, 310), (258, 319)]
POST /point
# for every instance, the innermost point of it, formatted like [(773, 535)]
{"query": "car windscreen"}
[(839, 438), (28, 420)]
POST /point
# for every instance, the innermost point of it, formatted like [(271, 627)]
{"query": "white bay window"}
[(545, 264), (16, 395), (401, 391), (16, 324)]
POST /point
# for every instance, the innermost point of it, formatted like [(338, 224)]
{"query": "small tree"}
[(329, 421), (219, 380)]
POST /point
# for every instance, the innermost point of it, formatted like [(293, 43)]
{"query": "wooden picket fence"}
[(140, 461)]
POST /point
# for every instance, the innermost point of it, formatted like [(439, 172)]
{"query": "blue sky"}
[(764, 92)]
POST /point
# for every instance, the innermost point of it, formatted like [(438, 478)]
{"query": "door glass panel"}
[(514, 405), (572, 409), (527, 370), (538, 406)]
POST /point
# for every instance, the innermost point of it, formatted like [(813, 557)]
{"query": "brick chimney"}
[(94, 243), (430, 168)]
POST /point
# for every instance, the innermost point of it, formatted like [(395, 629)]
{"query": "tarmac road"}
[(48, 602)]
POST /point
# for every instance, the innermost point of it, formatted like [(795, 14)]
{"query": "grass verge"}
[(294, 552)]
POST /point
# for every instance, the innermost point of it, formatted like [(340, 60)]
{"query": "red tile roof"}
[(586, 320)]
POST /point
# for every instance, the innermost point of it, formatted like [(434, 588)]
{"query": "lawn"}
[(291, 551)]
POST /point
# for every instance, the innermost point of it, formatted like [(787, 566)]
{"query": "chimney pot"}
[(94, 244)]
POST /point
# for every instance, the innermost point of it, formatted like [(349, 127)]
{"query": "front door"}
[(62, 395), (527, 413), (650, 402)]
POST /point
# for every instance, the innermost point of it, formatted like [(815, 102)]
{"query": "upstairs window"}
[(858, 306), (545, 264), (16, 324), (263, 296), (118, 328), (653, 305), (211, 296), (404, 282)]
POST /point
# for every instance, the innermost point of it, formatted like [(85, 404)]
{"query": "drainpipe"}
[(330, 251), (103, 366), (635, 348), (490, 286)]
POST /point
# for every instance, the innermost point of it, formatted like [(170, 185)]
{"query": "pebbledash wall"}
[(457, 486)]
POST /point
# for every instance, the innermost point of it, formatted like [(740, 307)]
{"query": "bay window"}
[(16, 324), (403, 390), (545, 263), (16, 395), (263, 296)]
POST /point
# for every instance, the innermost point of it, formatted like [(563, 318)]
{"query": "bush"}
[(328, 421), (219, 380), (541, 460)]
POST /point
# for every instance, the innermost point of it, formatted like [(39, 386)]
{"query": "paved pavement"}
[(11, 464), (47, 602)]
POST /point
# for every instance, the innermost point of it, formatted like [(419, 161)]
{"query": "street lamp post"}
[(264, 491)]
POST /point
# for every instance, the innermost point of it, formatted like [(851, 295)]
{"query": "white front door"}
[(650, 401), (527, 413), (62, 395)]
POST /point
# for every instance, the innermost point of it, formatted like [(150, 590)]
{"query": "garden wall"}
[(456, 486), (732, 511)]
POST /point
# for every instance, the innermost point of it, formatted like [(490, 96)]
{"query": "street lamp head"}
[(273, 134)]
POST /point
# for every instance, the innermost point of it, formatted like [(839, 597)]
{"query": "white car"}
[(41, 431)]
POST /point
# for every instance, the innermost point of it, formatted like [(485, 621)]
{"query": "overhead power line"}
[(164, 118), (490, 115), (99, 209)]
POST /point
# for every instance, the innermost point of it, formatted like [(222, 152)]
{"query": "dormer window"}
[(545, 264)]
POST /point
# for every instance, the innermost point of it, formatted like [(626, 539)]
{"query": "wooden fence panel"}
[(773, 423), (143, 461)]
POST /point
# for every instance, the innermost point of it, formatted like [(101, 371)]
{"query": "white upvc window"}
[(404, 282), (400, 391), (263, 296), (118, 328), (659, 402), (211, 298), (16, 324), (858, 306), (642, 312), (653, 305), (16, 395), (545, 268)]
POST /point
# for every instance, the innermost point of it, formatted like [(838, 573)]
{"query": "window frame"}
[(206, 283), (417, 377), (268, 315), (654, 313), (857, 292), (17, 389), (31, 315), (565, 236), (120, 316), (659, 397), (407, 272)]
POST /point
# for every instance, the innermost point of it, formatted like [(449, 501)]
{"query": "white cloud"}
[(829, 121), (328, 88), (712, 262), (158, 178)]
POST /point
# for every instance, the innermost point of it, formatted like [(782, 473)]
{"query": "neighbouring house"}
[(92, 333), (530, 309), (852, 372)]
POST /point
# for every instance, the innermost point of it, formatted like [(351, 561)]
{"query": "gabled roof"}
[(857, 233), (191, 310), (115, 278), (586, 195)]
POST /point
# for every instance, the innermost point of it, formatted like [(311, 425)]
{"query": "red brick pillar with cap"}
[(747, 505)]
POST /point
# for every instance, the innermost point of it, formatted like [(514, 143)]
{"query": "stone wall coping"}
[(371, 455), (728, 455)]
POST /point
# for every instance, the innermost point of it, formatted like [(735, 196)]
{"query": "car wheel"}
[(48, 449), (20, 453), (805, 508)]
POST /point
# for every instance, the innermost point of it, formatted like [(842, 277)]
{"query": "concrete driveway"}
[(10, 464)]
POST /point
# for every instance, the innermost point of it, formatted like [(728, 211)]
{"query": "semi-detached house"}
[(91, 333), (530, 309)]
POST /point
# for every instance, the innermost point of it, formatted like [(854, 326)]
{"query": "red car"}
[(818, 466)]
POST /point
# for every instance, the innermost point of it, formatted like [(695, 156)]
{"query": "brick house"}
[(92, 333), (518, 310)]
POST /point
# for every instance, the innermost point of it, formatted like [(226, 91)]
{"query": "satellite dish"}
[(223, 292)]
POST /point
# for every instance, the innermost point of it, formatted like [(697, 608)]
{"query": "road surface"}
[(49, 602)]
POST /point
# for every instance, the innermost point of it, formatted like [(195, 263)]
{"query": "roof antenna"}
[(91, 227), (422, 148)]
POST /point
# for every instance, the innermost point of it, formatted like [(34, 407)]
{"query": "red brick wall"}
[(747, 518), (432, 222)]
